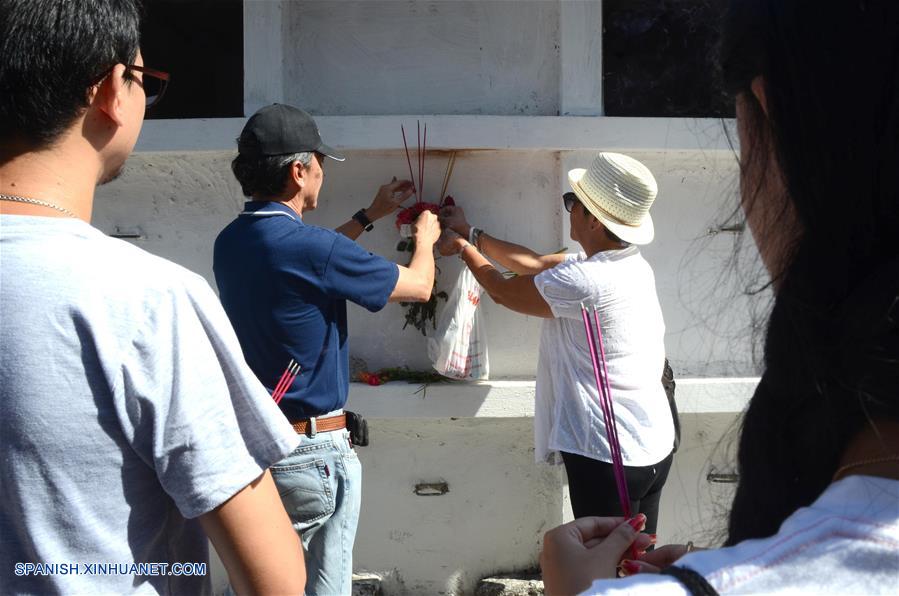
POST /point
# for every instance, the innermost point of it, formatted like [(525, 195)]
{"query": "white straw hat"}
[(618, 190)]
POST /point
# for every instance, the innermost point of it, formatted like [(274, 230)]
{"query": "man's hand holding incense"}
[(426, 229), (589, 548), (390, 197)]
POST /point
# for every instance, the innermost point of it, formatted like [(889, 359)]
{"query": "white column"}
[(263, 54), (580, 38)]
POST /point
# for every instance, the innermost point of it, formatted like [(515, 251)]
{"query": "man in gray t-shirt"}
[(129, 421)]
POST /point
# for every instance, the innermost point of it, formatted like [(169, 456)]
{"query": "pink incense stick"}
[(618, 461), (608, 417), (409, 161), (597, 358), (607, 391), (288, 382), (285, 381), (284, 376)]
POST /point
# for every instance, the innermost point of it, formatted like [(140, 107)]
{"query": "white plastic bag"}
[(458, 349)]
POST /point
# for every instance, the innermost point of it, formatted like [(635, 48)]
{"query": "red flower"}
[(370, 378), (449, 202), (410, 214)]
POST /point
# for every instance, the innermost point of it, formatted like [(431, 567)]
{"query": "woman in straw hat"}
[(609, 217), (816, 508)]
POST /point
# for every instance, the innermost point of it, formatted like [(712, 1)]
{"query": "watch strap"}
[(361, 217)]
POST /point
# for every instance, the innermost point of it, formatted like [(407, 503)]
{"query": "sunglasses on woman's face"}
[(569, 199)]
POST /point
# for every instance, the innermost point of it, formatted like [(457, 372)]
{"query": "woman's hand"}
[(454, 218), (656, 560), (450, 243), (590, 548)]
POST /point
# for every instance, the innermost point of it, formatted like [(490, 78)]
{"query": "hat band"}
[(605, 213)]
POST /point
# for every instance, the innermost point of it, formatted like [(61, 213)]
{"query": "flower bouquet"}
[(421, 314)]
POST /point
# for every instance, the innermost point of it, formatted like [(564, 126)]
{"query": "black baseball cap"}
[(279, 129)]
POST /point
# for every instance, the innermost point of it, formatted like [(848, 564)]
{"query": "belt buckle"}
[(312, 428)]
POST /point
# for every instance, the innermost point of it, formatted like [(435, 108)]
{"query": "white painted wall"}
[(178, 202), (388, 57)]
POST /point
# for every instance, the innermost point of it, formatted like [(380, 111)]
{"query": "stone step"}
[(511, 585), (367, 584)]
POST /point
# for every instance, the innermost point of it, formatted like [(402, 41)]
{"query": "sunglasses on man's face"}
[(569, 199), (154, 82)]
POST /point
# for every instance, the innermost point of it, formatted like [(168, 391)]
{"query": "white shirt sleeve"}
[(565, 287)]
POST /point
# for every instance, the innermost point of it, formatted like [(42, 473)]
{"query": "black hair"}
[(609, 233), (266, 176), (51, 53), (831, 126)]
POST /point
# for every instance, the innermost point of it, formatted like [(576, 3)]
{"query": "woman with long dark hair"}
[(816, 509)]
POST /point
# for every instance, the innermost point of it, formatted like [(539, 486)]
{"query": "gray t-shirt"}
[(126, 410)]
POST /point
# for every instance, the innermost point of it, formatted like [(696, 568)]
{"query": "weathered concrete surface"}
[(511, 585)]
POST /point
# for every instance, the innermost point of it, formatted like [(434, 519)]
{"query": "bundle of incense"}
[(446, 176), (604, 393), (290, 373), (422, 152)]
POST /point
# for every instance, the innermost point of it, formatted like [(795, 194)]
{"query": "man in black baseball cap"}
[(285, 284), (280, 129)]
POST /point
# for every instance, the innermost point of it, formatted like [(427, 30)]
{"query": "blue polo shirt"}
[(284, 285)]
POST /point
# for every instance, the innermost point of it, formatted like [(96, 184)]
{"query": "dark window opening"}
[(659, 58), (200, 43)]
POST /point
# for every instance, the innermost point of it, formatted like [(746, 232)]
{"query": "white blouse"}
[(568, 416)]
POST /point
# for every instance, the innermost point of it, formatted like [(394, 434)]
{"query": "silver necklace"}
[(18, 199)]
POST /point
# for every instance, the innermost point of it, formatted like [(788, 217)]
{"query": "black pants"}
[(591, 485)]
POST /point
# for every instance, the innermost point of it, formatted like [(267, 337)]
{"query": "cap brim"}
[(642, 234), (330, 152)]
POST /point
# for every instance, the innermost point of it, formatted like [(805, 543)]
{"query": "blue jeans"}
[(320, 484)]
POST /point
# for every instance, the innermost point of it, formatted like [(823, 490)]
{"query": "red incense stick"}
[(409, 161), (418, 125), (424, 154)]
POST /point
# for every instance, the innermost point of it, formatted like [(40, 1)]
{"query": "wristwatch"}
[(474, 237), (363, 220)]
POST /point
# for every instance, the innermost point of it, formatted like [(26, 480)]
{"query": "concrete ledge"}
[(515, 398), (526, 133)]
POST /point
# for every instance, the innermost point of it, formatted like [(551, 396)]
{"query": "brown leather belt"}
[(311, 426)]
